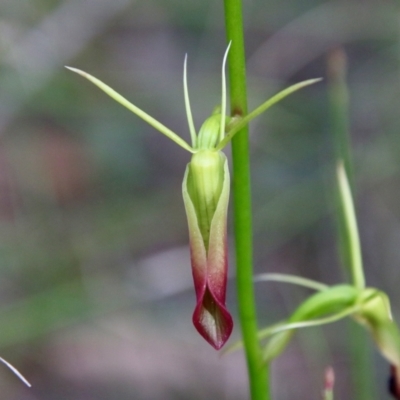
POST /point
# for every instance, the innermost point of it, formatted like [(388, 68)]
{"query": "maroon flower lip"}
[(212, 320), (210, 266), (211, 317)]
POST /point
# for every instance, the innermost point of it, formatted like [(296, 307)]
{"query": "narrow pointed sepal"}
[(334, 300), (209, 262)]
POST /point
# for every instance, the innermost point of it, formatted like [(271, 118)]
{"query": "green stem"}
[(257, 369), (349, 243), (339, 109), (349, 231)]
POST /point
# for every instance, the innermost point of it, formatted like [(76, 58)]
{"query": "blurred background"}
[(96, 291)]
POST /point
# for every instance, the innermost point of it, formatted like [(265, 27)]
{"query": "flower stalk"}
[(258, 371)]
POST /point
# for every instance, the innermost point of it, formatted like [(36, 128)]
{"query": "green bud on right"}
[(376, 316)]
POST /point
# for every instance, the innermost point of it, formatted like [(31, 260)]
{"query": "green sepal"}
[(375, 315), (292, 279), (136, 110), (237, 122)]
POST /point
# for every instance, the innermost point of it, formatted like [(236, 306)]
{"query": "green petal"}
[(336, 300)]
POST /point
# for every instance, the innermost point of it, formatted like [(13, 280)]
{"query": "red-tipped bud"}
[(206, 195)]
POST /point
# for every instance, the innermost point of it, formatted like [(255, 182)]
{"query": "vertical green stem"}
[(339, 109), (349, 244), (257, 369), (349, 241), (348, 228)]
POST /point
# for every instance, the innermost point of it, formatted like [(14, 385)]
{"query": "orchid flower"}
[(205, 191), (368, 306)]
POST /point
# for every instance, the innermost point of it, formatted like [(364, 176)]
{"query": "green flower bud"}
[(206, 175), (206, 195), (376, 316), (209, 134)]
